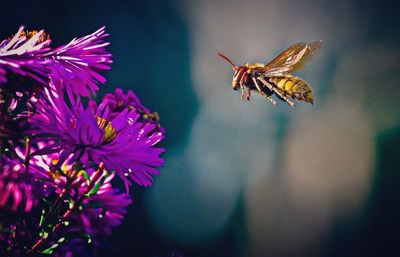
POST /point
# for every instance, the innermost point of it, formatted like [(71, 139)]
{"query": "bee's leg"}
[(287, 100), (242, 94), (262, 93), (257, 86), (272, 88), (248, 94), (241, 82), (268, 85), (272, 100), (292, 104)]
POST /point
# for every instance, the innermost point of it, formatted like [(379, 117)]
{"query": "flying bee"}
[(275, 77)]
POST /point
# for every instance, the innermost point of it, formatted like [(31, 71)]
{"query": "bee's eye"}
[(235, 84)]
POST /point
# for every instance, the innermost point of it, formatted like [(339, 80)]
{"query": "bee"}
[(276, 76)]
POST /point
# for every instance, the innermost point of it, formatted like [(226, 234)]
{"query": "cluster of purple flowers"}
[(60, 157)]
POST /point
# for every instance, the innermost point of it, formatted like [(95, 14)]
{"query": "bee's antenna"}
[(228, 60)]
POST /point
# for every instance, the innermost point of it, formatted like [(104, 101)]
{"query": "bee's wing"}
[(292, 59)]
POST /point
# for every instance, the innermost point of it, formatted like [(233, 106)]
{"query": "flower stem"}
[(28, 144), (97, 175), (58, 201), (27, 153)]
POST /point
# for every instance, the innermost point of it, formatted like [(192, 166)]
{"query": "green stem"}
[(59, 199), (97, 176), (27, 154)]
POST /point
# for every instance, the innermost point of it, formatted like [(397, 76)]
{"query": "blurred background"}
[(247, 178)]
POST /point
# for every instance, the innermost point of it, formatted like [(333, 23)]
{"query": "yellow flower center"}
[(65, 168), (109, 131), (29, 34)]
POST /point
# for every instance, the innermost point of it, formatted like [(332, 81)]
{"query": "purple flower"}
[(123, 143), (120, 101), (2, 76), (16, 188), (42, 168), (97, 218), (21, 55), (74, 67), (102, 211)]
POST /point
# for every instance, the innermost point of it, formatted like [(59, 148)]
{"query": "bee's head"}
[(236, 77), (239, 72)]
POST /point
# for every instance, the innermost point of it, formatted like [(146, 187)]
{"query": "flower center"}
[(28, 34), (65, 169), (109, 131)]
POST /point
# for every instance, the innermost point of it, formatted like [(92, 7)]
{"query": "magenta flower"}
[(21, 55), (74, 67), (123, 143), (16, 188), (65, 155), (120, 101), (103, 211), (2, 76)]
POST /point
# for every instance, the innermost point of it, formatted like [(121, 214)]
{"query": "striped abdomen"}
[(293, 87)]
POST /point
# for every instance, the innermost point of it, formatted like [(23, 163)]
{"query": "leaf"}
[(76, 235), (42, 217), (48, 250), (94, 189), (98, 185), (70, 203), (70, 236), (86, 176), (57, 244)]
